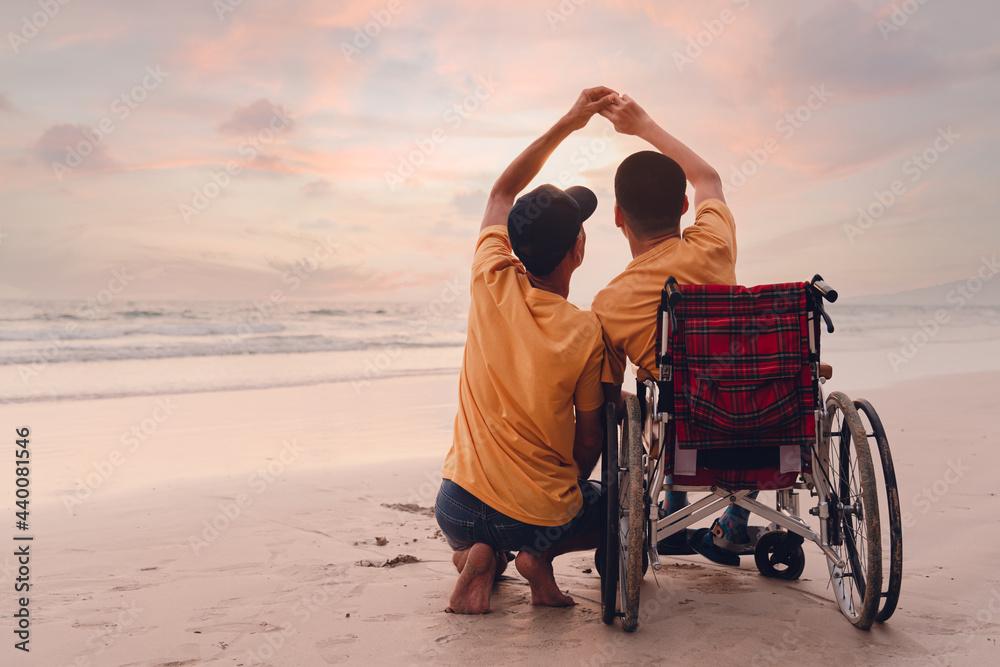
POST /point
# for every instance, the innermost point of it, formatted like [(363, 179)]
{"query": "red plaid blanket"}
[(741, 374)]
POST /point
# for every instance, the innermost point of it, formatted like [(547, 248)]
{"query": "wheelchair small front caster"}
[(779, 555)]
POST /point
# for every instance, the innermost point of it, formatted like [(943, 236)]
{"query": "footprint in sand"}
[(127, 587), (332, 650), (385, 617), (176, 663)]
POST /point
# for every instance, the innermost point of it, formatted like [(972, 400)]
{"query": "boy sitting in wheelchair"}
[(650, 200)]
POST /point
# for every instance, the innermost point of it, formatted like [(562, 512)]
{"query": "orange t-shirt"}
[(705, 254), (530, 358)]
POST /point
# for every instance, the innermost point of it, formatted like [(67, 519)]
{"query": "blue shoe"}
[(702, 542), (676, 544)]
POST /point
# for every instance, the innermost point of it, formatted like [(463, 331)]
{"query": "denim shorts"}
[(465, 520)]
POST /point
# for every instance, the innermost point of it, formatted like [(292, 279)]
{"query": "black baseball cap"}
[(544, 223)]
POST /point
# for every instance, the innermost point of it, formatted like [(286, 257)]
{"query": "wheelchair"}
[(737, 407)]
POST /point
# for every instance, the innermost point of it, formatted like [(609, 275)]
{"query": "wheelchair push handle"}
[(672, 293), (824, 289)]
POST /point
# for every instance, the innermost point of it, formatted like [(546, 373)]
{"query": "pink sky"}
[(213, 150)]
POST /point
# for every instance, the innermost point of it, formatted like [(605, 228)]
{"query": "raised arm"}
[(630, 118), (526, 166)]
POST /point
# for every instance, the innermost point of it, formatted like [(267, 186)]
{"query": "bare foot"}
[(458, 558), (538, 572), (501, 565), (475, 580)]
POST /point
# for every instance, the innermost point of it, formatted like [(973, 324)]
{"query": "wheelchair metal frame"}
[(786, 512), (785, 515)]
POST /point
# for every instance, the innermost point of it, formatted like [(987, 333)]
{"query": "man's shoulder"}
[(493, 250), (713, 234), (493, 238), (630, 287), (579, 322), (711, 213), (714, 205), (579, 317), (610, 295)]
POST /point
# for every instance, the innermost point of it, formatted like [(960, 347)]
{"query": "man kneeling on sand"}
[(528, 427)]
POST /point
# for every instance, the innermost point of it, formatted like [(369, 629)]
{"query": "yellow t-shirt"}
[(530, 357), (705, 254)]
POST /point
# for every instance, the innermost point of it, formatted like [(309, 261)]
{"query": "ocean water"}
[(52, 351), (74, 332)]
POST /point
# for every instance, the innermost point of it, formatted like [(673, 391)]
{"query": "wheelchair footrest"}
[(754, 532), (747, 549), (677, 544)]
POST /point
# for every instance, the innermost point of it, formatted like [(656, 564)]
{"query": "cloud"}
[(268, 163), (317, 188), (327, 281), (235, 83), (258, 117), (772, 53), (73, 147), (470, 204), (845, 48), (322, 224)]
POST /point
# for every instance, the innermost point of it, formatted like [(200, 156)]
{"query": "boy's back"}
[(531, 357), (704, 254)]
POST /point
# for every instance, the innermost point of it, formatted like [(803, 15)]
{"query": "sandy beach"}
[(249, 249), (253, 528)]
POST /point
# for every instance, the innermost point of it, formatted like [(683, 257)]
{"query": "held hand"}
[(590, 101), (627, 116)]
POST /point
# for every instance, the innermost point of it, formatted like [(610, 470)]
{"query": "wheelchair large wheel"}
[(632, 540), (854, 529), (888, 510), (608, 567)]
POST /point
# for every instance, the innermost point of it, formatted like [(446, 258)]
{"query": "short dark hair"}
[(650, 187)]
